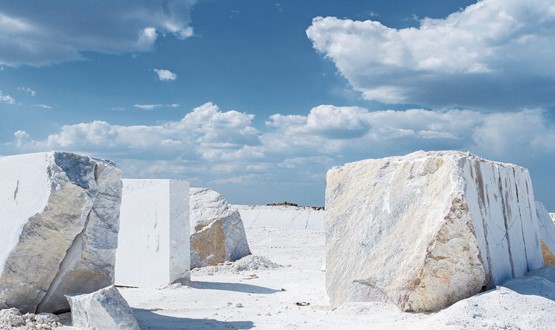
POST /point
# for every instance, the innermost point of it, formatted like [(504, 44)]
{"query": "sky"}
[(258, 99)]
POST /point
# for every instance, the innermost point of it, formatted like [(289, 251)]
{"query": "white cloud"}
[(44, 106), (27, 90), (495, 52), (289, 155), (34, 34), (165, 75), (155, 106), (6, 98)]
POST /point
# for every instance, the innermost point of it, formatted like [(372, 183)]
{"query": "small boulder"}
[(217, 231), (102, 309)]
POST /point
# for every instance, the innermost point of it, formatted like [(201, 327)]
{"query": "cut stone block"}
[(154, 241), (547, 234), (428, 229), (58, 228), (103, 309), (218, 234)]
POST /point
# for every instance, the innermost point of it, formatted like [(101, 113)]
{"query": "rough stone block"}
[(547, 234), (218, 234), (58, 228), (428, 229), (102, 309), (153, 240)]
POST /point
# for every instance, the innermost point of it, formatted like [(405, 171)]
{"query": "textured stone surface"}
[(103, 309), (218, 233), (153, 243), (428, 229), (547, 234), (283, 217), (58, 228)]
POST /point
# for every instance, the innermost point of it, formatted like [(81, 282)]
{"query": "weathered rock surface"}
[(153, 247), (102, 309), (218, 234), (428, 229), (547, 234), (59, 216)]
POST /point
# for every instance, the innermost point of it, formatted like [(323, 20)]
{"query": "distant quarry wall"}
[(282, 216)]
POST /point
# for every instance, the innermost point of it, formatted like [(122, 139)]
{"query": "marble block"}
[(153, 244), (59, 218), (428, 229)]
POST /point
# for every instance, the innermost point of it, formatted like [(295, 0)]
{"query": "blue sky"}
[(258, 99)]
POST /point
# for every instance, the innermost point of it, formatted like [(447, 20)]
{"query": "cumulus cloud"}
[(165, 75), (153, 106), (291, 153), (493, 53), (6, 98), (34, 34)]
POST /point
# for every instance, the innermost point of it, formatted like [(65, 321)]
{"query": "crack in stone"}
[(16, 190), (506, 222), (75, 248)]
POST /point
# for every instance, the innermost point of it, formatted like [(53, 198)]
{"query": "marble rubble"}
[(12, 318), (547, 234), (102, 309), (428, 229), (217, 231), (58, 228), (153, 244)]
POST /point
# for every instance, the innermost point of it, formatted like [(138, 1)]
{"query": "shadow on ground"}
[(148, 319), (533, 285), (237, 287)]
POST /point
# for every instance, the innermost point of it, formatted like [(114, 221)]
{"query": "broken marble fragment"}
[(59, 216), (428, 229), (217, 231), (102, 309)]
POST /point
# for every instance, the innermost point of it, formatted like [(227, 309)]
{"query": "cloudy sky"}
[(258, 99)]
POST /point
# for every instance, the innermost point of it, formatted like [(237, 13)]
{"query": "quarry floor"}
[(293, 297)]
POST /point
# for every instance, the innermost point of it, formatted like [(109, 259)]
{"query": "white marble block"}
[(428, 229), (59, 218), (153, 244), (217, 231), (547, 234), (101, 310)]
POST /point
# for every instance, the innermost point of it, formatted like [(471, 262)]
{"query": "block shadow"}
[(237, 287), (148, 319), (533, 286)]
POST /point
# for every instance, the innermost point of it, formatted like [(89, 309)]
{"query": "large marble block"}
[(217, 231), (428, 229), (547, 234), (59, 219), (153, 244)]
